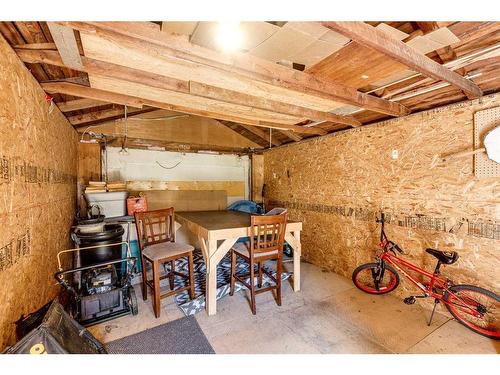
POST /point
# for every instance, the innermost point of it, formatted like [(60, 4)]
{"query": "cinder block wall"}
[(337, 184), (38, 162)]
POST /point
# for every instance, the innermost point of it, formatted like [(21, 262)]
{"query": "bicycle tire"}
[(393, 284), (492, 331)]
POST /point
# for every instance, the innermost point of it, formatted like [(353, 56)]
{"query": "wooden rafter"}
[(79, 104), (291, 135), (42, 46), (90, 93), (102, 116), (262, 134), (100, 68), (146, 36), (382, 42)]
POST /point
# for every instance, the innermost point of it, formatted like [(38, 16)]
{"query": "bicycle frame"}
[(436, 281)]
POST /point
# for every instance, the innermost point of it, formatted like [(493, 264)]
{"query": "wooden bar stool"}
[(156, 236), (265, 244)]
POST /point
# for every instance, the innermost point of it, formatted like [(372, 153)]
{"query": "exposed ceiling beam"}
[(148, 144), (43, 46), (90, 93), (101, 68), (64, 38), (112, 97), (236, 129), (147, 37), (78, 104), (231, 96), (105, 115), (291, 135), (262, 134), (382, 42), (80, 80), (427, 26)]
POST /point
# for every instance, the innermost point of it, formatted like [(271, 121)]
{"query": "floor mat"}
[(191, 307), (181, 336)]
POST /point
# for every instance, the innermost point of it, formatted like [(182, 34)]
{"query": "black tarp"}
[(57, 334)]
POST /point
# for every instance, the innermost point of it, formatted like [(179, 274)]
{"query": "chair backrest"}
[(155, 227), (276, 211), (268, 233)]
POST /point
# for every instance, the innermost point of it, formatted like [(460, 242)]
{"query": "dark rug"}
[(191, 307), (181, 336)]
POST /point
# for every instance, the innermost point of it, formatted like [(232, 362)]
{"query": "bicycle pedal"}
[(410, 300)]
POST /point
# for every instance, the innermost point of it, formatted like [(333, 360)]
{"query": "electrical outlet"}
[(395, 154)]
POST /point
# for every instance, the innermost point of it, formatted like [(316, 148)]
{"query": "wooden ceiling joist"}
[(382, 42), (79, 104), (113, 97), (42, 46), (148, 144), (231, 96), (91, 93), (147, 37), (101, 68), (101, 116)]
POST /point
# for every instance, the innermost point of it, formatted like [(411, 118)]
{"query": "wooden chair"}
[(156, 236), (265, 244)]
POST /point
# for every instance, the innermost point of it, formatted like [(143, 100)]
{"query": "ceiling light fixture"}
[(229, 36)]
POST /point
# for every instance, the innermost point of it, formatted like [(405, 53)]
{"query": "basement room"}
[(228, 184)]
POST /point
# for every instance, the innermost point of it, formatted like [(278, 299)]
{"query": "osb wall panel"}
[(89, 169), (38, 161), (337, 185)]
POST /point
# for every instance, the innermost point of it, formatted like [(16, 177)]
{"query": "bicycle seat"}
[(446, 257)]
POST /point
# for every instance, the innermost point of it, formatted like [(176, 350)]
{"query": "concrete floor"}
[(329, 315)]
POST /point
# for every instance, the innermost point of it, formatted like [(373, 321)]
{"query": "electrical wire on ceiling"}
[(172, 167)]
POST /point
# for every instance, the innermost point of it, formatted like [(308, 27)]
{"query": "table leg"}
[(293, 239), (211, 281), (213, 255)]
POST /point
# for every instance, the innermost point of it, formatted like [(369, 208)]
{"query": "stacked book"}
[(102, 187), (96, 187), (117, 186)]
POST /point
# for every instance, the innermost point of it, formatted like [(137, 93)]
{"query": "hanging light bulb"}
[(229, 36)]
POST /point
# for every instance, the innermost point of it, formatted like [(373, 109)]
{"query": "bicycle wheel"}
[(364, 277), (487, 303)]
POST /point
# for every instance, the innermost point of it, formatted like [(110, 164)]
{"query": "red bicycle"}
[(474, 307)]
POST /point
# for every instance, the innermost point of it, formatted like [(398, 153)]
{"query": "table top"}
[(215, 220), (222, 220)]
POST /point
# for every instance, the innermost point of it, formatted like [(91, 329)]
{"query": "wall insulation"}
[(337, 184), (38, 161)]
